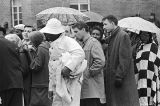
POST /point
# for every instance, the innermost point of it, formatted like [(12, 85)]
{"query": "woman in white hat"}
[(66, 55)]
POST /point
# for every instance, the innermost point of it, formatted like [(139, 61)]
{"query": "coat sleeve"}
[(77, 54), (125, 57), (24, 63), (98, 59), (36, 62)]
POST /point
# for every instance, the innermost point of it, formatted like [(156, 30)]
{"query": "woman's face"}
[(144, 36), (96, 34)]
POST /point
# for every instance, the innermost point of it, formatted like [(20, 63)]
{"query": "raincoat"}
[(119, 65), (65, 51)]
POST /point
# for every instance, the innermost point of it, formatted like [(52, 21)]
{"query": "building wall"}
[(125, 8), (5, 12), (28, 18), (36, 6), (119, 8)]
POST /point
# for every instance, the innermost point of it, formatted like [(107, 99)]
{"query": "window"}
[(81, 5), (16, 12)]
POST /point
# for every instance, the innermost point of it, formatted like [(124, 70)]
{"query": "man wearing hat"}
[(19, 29), (60, 45)]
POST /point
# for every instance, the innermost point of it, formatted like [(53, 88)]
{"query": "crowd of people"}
[(79, 66)]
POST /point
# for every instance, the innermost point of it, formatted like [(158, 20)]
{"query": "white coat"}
[(58, 57)]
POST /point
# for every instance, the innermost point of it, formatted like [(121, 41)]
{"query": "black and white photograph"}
[(79, 52)]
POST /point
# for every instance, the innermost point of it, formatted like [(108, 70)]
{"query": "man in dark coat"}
[(11, 81), (120, 83)]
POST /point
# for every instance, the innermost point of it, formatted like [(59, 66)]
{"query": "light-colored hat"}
[(53, 26), (20, 27)]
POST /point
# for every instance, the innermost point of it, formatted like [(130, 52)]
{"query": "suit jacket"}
[(10, 67)]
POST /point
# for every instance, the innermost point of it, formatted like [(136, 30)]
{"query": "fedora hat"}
[(53, 26)]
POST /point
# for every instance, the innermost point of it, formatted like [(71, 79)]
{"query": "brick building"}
[(24, 11)]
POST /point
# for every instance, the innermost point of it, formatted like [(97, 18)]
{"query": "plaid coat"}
[(148, 65)]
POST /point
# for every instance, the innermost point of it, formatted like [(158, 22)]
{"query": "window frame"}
[(79, 5), (18, 12)]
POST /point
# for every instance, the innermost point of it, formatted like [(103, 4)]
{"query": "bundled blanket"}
[(146, 74), (67, 89)]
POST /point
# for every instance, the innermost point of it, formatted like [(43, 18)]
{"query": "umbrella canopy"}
[(64, 14), (137, 24), (94, 17)]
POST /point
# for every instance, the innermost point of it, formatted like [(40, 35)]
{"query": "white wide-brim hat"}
[(53, 26)]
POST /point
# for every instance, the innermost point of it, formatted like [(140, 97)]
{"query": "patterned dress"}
[(148, 65)]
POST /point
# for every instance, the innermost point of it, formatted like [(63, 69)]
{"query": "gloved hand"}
[(118, 82), (65, 72)]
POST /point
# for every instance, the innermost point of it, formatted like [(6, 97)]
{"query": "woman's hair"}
[(36, 38)]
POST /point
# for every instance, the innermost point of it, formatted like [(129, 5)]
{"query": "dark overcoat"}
[(119, 65), (10, 66), (40, 76)]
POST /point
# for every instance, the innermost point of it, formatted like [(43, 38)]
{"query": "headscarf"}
[(36, 38)]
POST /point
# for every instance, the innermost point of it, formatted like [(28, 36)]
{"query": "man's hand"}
[(65, 72)]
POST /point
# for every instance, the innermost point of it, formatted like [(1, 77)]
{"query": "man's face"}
[(78, 33), (108, 26), (28, 29)]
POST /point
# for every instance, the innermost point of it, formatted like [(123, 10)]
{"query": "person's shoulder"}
[(69, 38), (94, 41), (6, 42), (123, 35), (44, 45), (122, 32)]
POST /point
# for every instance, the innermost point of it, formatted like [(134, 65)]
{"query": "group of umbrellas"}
[(69, 16)]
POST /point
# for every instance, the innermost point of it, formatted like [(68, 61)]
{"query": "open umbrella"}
[(94, 17), (137, 24), (64, 14)]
